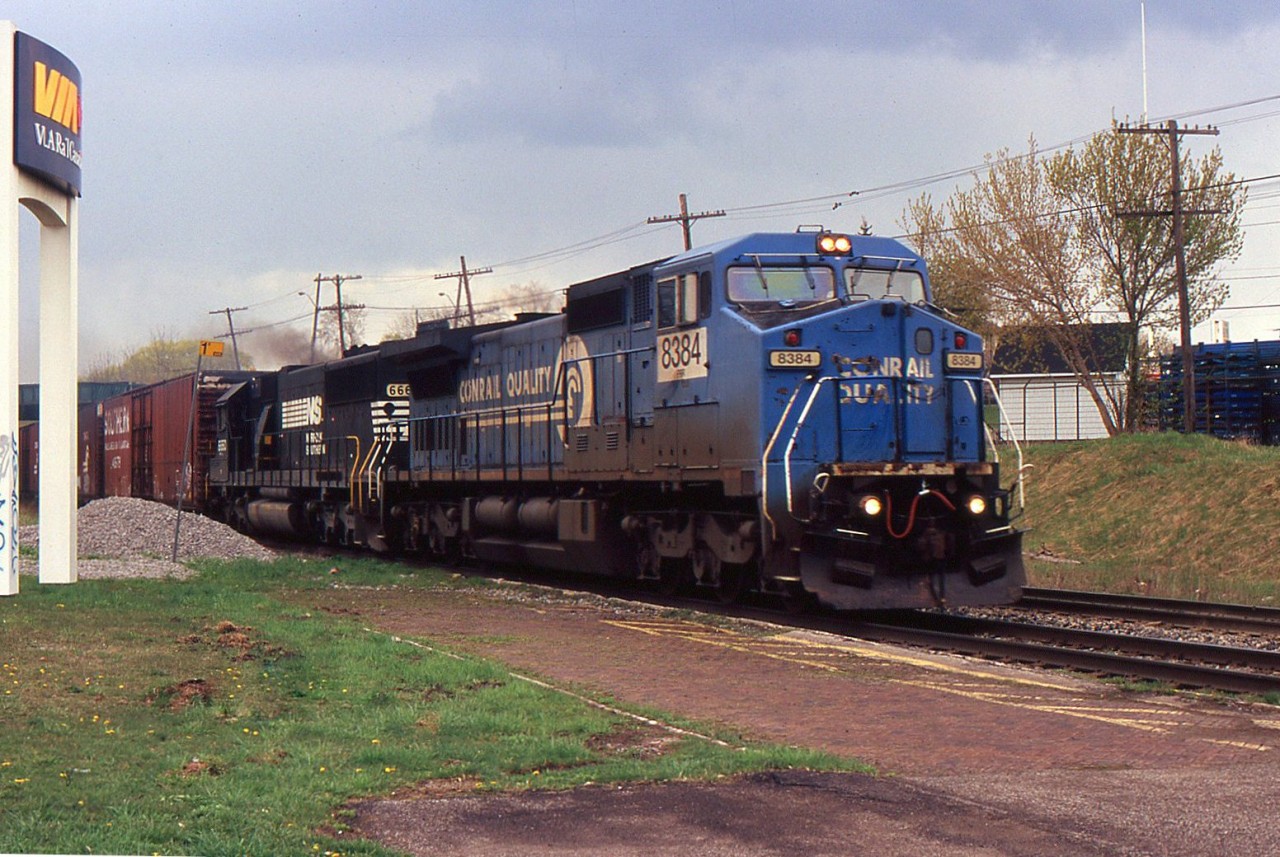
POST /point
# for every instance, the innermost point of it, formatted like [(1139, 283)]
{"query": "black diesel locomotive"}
[(781, 412)]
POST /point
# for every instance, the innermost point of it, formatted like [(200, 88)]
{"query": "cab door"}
[(686, 421), (921, 391)]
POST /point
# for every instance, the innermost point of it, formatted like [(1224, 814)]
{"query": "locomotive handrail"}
[(351, 480), (764, 462), (995, 394), (791, 444)]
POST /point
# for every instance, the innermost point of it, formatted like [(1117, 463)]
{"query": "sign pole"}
[(40, 146), (8, 328), (213, 348)]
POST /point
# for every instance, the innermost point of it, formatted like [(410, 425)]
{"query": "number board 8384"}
[(683, 354)]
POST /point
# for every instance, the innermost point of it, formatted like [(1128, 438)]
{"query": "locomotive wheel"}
[(797, 600), (734, 580), (728, 580), (435, 541), (674, 577)]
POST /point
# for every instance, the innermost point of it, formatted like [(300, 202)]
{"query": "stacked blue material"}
[(1237, 390)]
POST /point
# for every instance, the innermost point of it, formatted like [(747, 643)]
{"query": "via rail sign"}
[(47, 114)]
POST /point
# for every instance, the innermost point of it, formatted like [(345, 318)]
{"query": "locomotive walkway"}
[(985, 759)]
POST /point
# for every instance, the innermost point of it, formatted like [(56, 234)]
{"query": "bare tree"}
[(1110, 183)]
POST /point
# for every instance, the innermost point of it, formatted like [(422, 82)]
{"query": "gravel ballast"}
[(128, 537)]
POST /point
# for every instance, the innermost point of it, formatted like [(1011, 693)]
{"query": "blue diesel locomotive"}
[(780, 412)]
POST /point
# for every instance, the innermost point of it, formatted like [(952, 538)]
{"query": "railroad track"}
[(1172, 611), (1178, 663)]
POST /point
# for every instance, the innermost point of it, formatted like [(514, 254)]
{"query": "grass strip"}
[(211, 716)]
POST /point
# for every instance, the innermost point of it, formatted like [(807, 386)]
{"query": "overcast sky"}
[(233, 151)]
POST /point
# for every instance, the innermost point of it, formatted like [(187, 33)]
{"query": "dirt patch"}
[(184, 694), (640, 742), (236, 639), (200, 767)]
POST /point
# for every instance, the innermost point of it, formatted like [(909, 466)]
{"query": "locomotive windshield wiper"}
[(808, 275), (764, 284)]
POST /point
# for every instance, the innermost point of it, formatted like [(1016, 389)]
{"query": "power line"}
[(337, 280), (1175, 134), (685, 219), (231, 328), (464, 283)]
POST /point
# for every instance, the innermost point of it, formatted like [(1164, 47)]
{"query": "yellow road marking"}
[(1262, 748), (1147, 719)]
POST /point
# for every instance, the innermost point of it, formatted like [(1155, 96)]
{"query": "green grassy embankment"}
[(1159, 514)]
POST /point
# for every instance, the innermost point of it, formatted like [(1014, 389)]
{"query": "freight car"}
[(781, 412), (133, 444)]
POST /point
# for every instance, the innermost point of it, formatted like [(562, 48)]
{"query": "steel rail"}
[(1133, 644), (1178, 674), (1228, 617)]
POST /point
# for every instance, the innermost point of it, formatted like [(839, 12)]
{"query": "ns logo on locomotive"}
[(786, 413)]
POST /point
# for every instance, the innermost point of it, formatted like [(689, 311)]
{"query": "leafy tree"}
[(164, 357), (1044, 240)]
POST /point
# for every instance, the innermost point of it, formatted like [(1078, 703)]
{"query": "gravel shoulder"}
[(119, 537)]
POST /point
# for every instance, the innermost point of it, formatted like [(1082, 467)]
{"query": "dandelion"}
[(375, 741), (389, 770), (21, 780)]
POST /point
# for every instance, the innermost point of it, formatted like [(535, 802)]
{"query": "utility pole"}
[(235, 349), (685, 219), (464, 284), (1180, 256), (337, 280)]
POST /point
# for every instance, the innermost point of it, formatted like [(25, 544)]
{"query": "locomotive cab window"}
[(683, 299), (784, 286), (878, 284)]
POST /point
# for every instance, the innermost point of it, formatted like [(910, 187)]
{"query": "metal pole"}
[(315, 317), (1184, 298), (186, 452)]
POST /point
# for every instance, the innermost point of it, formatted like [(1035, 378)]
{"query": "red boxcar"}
[(145, 431), (116, 462), (89, 463)]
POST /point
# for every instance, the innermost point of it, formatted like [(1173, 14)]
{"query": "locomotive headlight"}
[(870, 505), (977, 505), (830, 243)]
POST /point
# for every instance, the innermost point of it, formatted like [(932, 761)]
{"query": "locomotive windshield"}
[(877, 283), (789, 286)]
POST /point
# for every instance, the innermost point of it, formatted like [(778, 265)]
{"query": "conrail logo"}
[(56, 97)]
